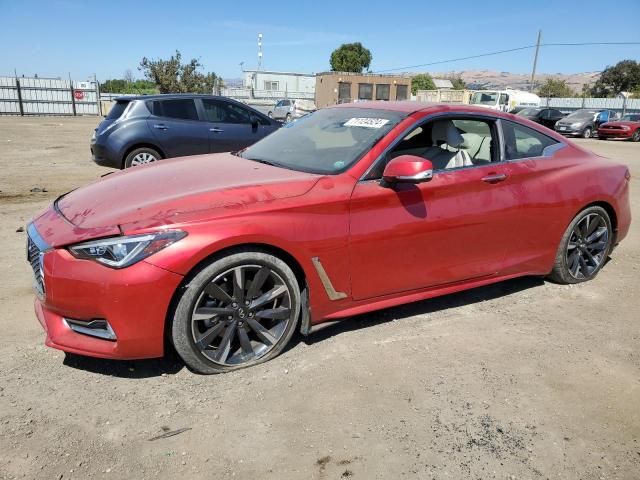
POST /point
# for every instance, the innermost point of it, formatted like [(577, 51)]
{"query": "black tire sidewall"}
[(584, 133), (560, 272), (133, 153), (181, 322), (636, 136)]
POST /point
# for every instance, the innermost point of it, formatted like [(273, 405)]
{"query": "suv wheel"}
[(288, 118), (141, 156), (586, 133), (240, 310)]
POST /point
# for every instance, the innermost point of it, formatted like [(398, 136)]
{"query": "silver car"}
[(288, 110)]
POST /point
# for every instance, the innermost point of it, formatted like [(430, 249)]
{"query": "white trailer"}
[(508, 100)]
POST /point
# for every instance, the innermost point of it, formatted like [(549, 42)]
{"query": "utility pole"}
[(535, 62), (259, 51)]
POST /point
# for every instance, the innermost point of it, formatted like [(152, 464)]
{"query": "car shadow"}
[(423, 307), (170, 364)]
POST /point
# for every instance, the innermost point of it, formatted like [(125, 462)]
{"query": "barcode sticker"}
[(366, 122)]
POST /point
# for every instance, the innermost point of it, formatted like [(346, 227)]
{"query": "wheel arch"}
[(141, 145), (291, 261)]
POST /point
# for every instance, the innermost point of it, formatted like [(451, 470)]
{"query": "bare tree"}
[(128, 76)]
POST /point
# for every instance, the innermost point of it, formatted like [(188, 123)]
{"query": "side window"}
[(184, 109), (448, 143), (523, 142), (214, 111), (546, 114)]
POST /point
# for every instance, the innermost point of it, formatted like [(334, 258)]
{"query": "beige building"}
[(344, 87)]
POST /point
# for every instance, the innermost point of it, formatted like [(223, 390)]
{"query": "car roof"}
[(409, 106), (167, 96)]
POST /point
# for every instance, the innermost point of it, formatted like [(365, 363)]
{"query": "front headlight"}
[(576, 124), (120, 252)]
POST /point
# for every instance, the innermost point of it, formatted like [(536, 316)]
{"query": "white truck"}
[(508, 100)]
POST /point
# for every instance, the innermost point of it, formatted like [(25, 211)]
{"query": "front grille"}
[(612, 127), (34, 256)]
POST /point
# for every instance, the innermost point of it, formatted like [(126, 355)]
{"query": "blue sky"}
[(52, 37)]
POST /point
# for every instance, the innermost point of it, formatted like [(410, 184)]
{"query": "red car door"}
[(455, 227)]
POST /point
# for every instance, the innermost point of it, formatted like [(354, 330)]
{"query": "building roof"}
[(442, 83), (270, 72)]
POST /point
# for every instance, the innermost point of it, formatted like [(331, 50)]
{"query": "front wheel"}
[(270, 114), (586, 133), (584, 247), (288, 118), (238, 311)]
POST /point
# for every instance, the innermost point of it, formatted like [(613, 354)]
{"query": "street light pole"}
[(535, 62)]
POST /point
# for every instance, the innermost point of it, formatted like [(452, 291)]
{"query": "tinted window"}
[(344, 92), (117, 109), (365, 91), (219, 111), (382, 92), (184, 109), (523, 142), (631, 118), (402, 92)]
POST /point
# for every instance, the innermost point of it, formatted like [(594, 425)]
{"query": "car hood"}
[(621, 123), (158, 194)]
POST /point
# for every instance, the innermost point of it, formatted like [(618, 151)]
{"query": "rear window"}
[(184, 109), (117, 109)]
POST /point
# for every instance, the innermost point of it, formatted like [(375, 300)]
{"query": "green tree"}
[(422, 81), (457, 82), (555, 89), (120, 85), (622, 77), (350, 57), (173, 76)]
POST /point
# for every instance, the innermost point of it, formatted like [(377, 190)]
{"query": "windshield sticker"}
[(366, 122)]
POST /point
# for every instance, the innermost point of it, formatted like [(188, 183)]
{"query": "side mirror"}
[(407, 169)]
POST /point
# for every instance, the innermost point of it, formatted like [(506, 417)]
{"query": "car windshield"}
[(484, 98), (582, 115), (327, 142), (631, 118), (529, 112)]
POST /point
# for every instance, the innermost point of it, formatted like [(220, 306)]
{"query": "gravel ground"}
[(524, 379)]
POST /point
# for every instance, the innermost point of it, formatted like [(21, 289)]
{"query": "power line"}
[(499, 52)]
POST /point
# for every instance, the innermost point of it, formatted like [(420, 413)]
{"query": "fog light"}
[(95, 328)]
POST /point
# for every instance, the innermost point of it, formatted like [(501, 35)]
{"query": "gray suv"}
[(144, 129), (584, 122)]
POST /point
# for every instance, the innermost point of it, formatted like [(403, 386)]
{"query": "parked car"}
[(359, 207), (584, 122), (544, 116), (289, 110), (627, 127), (144, 129)]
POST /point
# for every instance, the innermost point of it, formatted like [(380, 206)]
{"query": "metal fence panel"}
[(47, 96)]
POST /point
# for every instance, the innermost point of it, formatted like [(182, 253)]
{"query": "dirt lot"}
[(524, 379)]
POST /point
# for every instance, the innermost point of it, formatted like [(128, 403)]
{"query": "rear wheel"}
[(636, 136), (584, 247), (141, 156), (586, 133), (240, 310)]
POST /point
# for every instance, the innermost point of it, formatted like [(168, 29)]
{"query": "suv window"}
[(523, 142), (184, 109), (219, 111), (117, 109)]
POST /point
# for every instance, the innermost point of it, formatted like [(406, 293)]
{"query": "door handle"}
[(216, 130), (160, 126), (494, 178)]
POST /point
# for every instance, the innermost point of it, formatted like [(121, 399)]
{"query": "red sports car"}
[(627, 127), (351, 209)]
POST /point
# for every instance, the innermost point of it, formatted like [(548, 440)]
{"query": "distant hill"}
[(486, 79)]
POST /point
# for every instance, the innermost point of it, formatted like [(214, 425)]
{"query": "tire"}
[(636, 136), (212, 311), (141, 156), (578, 259), (288, 118), (270, 114), (586, 133)]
